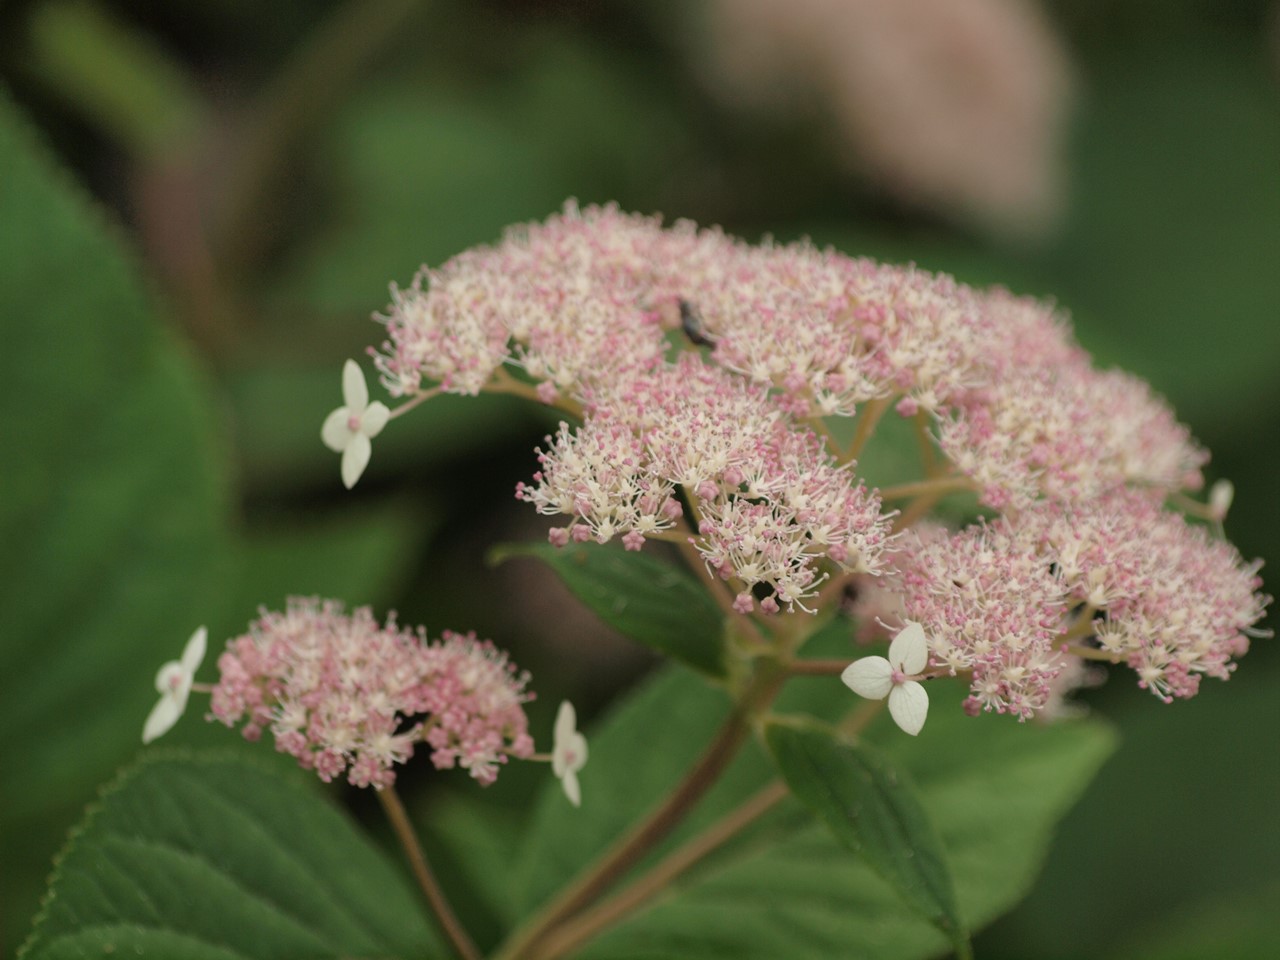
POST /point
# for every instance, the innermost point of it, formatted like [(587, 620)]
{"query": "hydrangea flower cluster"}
[(769, 500), (990, 605), (708, 379), (1163, 596), (1045, 424), (345, 695)]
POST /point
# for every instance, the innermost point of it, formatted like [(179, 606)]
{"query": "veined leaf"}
[(786, 888), (872, 809), (206, 857), (112, 511)]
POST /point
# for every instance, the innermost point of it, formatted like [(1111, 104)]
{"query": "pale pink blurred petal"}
[(953, 105)]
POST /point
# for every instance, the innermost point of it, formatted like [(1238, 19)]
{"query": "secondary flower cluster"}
[(770, 501), (709, 379), (1165, 597), (1014, 603), (1044, 424), (343, 694)]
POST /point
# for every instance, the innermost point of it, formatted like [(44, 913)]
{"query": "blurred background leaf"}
[(109, 518)]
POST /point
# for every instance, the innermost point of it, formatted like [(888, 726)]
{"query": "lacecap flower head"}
[(706, 379), (345, 695)]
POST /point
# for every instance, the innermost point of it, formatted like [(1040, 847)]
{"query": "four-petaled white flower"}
[(173, 683), (350, 428), (876, 677), (568, 752)]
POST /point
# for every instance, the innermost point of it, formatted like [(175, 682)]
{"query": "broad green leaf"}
[(873, 809), (993, 788), (654, 603), (111, 538), (469, 841), (640, 751), (1194, 770), (208, 857)]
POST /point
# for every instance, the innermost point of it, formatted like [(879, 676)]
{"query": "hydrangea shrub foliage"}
[(814, 780)]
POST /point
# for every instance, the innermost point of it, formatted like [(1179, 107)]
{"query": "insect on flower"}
[(692, 324)]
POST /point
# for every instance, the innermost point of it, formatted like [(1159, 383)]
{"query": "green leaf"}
[(652, 602), (113, 511), (640, 751), (873, 809), (470, 840), (786, 888), (206, 857), (1213, 747)]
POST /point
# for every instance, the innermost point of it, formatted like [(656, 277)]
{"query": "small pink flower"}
[(875, 678)]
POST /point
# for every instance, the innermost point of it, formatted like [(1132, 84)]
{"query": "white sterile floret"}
[(350, 428), (568, 752), (173, 683), (1220, 496), (877, 677)]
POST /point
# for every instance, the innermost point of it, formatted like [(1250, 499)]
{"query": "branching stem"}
[(1082, 626), (945, 484), (415, 400), (588, 924), (610, 867), (933, 465), (871, 413), (503, 382)]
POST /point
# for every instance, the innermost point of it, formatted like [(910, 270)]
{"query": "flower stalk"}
[(448, 921), (613, 864)]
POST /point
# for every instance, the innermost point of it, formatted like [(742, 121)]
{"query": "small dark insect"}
[(849, 596), (692, 325)]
